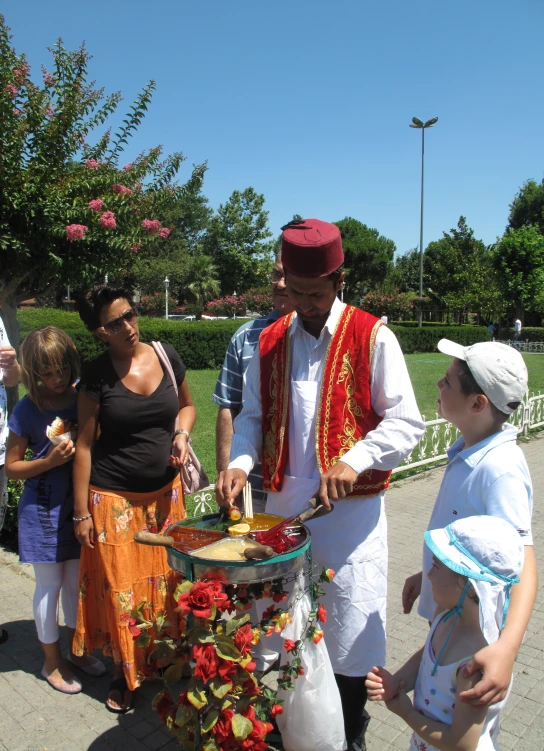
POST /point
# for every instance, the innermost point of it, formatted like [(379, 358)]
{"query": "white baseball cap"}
[(499, 370), (487, 550)]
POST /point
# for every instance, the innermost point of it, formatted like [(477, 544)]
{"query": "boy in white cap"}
[(487, 474), (475, 563)]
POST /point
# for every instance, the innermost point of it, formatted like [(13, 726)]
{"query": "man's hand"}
[(336, 483), (411, 591), (496, 663), (229, 485)]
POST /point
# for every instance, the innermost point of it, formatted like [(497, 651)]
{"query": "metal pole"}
[(420, 311)]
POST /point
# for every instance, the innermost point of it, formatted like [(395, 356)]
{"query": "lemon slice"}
[(239, 529)]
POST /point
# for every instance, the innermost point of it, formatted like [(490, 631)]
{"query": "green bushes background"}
[(202, 344)]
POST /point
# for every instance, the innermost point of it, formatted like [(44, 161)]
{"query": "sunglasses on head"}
[(115, 326)]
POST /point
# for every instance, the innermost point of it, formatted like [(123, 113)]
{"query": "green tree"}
[(458, 273), (405, 275), (237, 241), (519, 260), (204, 284), (69, 212), (527, 208), (368, 256)]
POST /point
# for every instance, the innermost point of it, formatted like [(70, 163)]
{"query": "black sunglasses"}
[(115, 326)]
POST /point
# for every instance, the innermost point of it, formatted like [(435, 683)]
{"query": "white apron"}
[(352, 540)]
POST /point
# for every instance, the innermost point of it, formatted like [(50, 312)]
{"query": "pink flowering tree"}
[(72, 207)]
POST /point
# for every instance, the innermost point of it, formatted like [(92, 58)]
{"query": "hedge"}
[(202, 344), (528, 334)]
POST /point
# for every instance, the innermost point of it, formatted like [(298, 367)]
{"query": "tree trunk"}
[(9, 316)]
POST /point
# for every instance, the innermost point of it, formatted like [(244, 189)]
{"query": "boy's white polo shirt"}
[(491, 477)]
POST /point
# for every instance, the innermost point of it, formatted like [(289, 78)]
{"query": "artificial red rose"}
[(289, 645), (329, 573), (222, 730), (276, 710), (250, 688), (318, 635), (206, 660), (251, 666), (227, 670), (268, 613), (164, 706), (322, 614), (199, 600), (134, 629), (279, 596), (243, 639)]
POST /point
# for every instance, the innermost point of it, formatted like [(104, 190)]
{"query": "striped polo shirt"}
[(228, 390)]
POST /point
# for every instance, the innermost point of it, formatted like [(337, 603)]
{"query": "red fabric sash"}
[(345, 413)]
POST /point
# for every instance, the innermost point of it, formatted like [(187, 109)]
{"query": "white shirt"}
[(392, 398), (491, 478), (517, 325)]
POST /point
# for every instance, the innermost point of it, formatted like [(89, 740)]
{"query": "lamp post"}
[(417, 123), (166, 285)]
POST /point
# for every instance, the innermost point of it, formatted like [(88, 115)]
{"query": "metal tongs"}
[(313, 510)]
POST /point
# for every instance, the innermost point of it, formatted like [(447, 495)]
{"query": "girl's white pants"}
[(52, 580)]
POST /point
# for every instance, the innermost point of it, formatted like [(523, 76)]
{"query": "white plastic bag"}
[(312, 718)]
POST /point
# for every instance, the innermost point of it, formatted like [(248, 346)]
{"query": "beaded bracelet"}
[(82, 519)]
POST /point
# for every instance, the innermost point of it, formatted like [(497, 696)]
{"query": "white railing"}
[(440, 434), (524, 346)]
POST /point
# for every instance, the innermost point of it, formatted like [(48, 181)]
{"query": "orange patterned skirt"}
[(118, 574)]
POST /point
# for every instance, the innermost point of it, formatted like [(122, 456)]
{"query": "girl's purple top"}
[(46, 529)]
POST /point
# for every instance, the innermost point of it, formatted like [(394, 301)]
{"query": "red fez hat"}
[(311, 248)]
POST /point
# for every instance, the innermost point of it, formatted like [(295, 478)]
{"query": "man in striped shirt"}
[(228, 390)]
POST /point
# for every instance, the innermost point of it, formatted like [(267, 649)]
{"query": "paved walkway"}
[(33, 717)]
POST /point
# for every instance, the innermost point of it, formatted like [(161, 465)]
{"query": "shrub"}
[(154, 305), (528, 334), (229, 306), (425, 339), (399, 305)]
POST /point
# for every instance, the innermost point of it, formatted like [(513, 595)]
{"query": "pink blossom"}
[(128, 167), (164, 232), (91, 164), (16, 111), (118, 189), (13, 90), (48, 79), (151, 226), (107, 220), (135, 248), (75, 231), (96, 205), (49, 112)]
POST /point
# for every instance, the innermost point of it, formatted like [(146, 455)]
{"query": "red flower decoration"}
[(207, 661), (276, 710), (133, 627), (164, 706), (243, 639), (322, 614), (199, 600), (289, 645)]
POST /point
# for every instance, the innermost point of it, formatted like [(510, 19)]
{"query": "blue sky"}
[(309, 101)]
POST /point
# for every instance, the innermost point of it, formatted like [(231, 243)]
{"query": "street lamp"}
[(417, 123), (166, 285)]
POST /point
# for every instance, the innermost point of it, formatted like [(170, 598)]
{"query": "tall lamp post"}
[(166, 285), (417, 123)]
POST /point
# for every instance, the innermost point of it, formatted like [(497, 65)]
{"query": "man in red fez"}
[(329, 409)]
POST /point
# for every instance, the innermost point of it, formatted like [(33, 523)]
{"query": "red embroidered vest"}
[(345, 413)]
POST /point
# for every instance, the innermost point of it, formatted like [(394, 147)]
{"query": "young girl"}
[(476, 561), (50, 367)]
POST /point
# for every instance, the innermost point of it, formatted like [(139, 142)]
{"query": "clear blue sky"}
[(309, 101)]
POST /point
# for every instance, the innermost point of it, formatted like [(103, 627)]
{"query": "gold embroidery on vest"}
[(272, 458), (351, 409), (269, 441), (326, 464), (373, 335)]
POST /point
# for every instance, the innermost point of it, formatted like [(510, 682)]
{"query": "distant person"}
[(487, 474), (228, 390), (50, 368), (517, 332), (10, 375), (383, 318), (475, 562), (492, 330)]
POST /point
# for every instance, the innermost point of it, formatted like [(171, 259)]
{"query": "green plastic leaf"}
[(241, 727), (184, 715), (219, 688), (173, 674), (211, 717), (226, 649), (196, 694), (201, 635), (235, 623)]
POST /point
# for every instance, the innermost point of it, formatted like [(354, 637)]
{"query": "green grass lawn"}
[(425, 370)]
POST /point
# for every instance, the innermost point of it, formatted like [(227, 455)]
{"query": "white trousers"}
[(54, 580)]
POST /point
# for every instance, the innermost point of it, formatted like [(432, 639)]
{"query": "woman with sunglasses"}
[(126, 479)]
